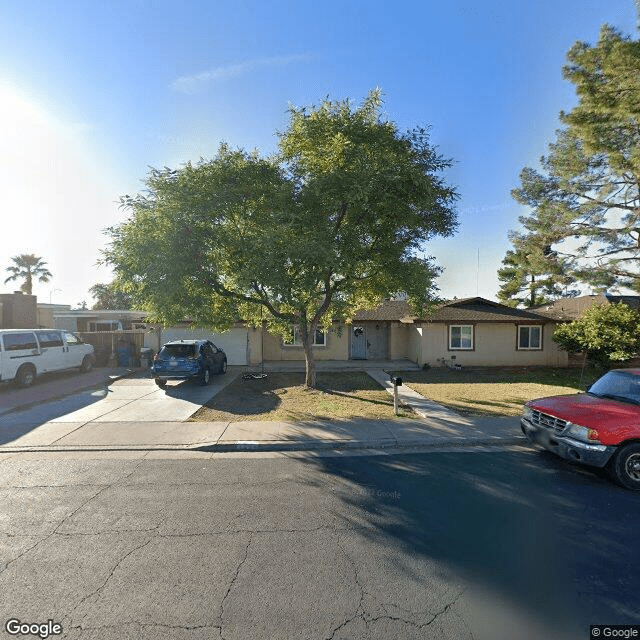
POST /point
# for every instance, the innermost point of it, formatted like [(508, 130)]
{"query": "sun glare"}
[(52, 205)]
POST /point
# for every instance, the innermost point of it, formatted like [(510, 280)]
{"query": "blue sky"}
[(93, 94)]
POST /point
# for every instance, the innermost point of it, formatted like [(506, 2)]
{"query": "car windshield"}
[(617, 385), (178, 350)]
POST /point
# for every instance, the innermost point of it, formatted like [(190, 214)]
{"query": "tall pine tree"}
[(585, 202)]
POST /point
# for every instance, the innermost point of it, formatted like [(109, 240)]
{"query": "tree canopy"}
[(532, 274), (28, 266), (336, 220), (608, 334), (585, 202), (108, 296)]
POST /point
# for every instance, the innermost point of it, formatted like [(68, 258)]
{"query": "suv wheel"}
[(161, 383), (626, 466), (206, 376)]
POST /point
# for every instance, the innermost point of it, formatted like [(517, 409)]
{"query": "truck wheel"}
[(26, 375), (87, 364), (626, 466)]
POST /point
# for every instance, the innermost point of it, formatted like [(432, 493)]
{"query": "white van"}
[(28, 353)]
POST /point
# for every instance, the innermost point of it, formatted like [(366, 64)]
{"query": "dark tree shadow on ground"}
[(558, 541)]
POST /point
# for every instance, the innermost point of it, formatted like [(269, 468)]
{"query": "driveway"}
[(54, 386), (124, 402), (140, 400)]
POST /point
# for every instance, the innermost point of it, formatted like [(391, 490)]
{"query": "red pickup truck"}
[(600, 427)]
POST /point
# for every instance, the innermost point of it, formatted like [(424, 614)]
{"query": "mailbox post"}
[(397, 382)]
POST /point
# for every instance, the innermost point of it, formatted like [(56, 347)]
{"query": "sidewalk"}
[(436, 427)]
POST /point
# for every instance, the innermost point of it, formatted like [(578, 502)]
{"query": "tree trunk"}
[(309, 362), (532, 298)]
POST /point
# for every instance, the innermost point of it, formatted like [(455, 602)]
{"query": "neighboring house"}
[(91, 320), (18, 310), (568, 309)]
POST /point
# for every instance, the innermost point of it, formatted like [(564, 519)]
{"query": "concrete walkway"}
[(134, 415)]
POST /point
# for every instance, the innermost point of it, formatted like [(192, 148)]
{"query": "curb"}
[(275, 445), (387, 443)]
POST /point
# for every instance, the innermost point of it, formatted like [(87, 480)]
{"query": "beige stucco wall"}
[(337, 347), (398, 340), (45, 318), (495, 345), (254, 347), (414, 343), (19, 311)]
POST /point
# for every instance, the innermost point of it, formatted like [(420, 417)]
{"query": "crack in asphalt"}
[(111, 573), (246, 554), (70, 515), (142, 625), (52, 533), (359, 612), (422, 625)]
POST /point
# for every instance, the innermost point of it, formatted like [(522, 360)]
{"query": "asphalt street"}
[(484, 543)]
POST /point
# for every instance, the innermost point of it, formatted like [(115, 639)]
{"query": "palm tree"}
[(28, 266)]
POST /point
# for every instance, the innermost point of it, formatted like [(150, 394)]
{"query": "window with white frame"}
[(294, 337), (529, 337), (461, 336)]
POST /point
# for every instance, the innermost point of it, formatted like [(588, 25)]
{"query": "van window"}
[(49, 339), (19, 341)]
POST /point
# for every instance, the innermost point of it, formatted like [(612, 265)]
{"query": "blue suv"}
[(188, 360)]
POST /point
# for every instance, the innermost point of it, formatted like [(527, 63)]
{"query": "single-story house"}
[(93, 320), (469, 332), (568, 309)]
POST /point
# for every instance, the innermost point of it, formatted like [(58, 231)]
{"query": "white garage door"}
[(234, 342)]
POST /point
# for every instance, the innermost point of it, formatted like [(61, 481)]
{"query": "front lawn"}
[(282, 396), (494, 390)]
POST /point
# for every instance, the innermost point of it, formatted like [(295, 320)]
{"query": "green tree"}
[(585, 202), (108, 296), (28, 266), (608, 333), (533, 274), (338, 219)]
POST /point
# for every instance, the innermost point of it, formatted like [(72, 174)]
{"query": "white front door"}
[(358, 343)]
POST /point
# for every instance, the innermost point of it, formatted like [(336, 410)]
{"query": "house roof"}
[(480, 310), (568, 309), (393, 310), (464, 310)]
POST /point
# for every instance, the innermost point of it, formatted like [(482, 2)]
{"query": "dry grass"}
[(282, 396), (493, 391)]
